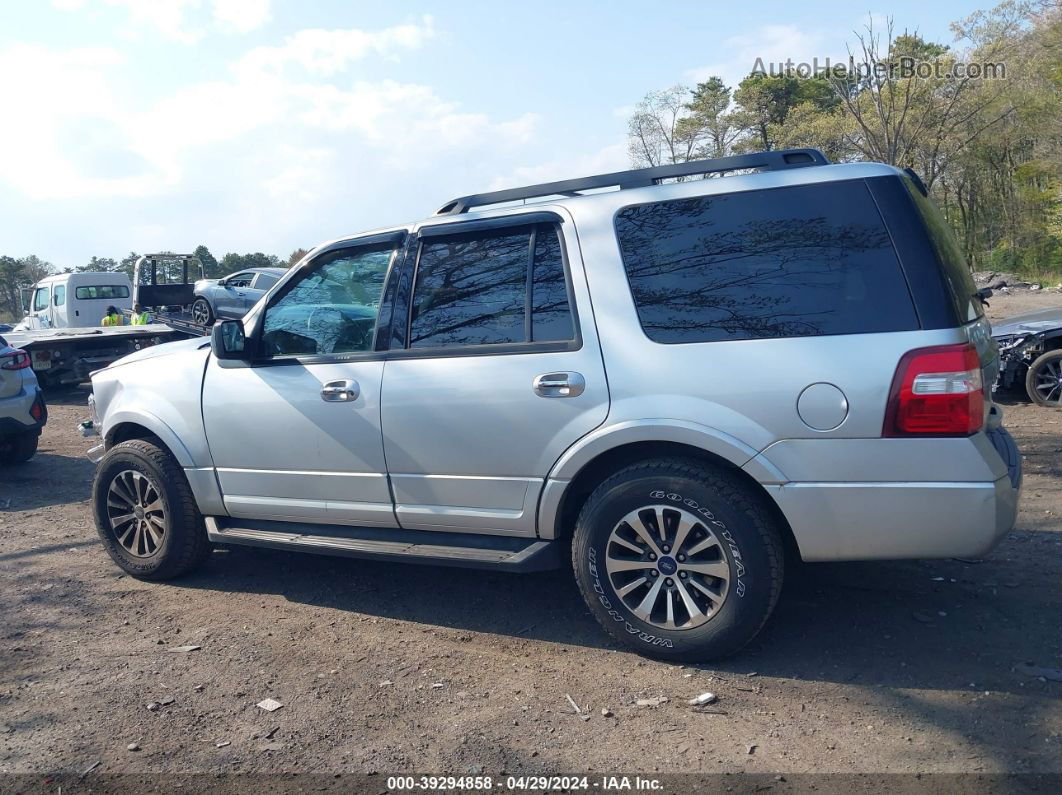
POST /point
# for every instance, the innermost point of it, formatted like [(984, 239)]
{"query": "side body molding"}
[(610, 437)]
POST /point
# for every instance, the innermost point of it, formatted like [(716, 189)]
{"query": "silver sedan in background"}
[(233, 295)]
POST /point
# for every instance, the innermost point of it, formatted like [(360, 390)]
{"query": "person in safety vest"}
[(140, 317), (113, 317)]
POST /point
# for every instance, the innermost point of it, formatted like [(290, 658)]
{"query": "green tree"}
[(233, 262), (296, 255), (211, 268), (17, 274)]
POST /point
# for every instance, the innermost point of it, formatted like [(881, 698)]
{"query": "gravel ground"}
[(885, 667)]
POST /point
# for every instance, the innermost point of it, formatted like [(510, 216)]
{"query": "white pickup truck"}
[(62, 329)]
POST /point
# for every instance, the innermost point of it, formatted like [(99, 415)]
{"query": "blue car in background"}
[(233, 295)]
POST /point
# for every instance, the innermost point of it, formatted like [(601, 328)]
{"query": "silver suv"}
[(670, 381), (23, 413)]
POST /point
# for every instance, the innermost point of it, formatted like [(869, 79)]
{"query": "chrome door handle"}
[(340, 391), (559, 385)]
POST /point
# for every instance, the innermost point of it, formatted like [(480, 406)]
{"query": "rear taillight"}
[(20, 360), (936, 392)]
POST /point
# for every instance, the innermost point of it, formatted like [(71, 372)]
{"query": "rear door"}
[(259, 287), (495, 371)]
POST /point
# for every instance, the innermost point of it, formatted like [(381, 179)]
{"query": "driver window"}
[(240, 280), (333, 308)]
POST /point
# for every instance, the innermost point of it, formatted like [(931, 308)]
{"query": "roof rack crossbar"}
[(642, 177)]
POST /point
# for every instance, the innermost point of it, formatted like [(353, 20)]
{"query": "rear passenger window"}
[(491, 288), (785, 262)]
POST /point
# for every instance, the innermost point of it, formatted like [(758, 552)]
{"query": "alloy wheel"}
[(668, 567), (201, 312), (136, 513), (1048, 383)]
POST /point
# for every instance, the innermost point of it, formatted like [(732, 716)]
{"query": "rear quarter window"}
[(953, 262), (797, 261)]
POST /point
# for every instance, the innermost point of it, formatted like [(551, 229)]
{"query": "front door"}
[(231, 298), (295, 434), (499, 375)]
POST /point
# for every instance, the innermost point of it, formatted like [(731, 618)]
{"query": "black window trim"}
[(885, 222), (516, 221)]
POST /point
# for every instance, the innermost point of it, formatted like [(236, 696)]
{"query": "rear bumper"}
[(16, 413), (901, 519)]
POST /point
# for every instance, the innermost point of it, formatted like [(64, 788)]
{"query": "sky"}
[(268, 125)]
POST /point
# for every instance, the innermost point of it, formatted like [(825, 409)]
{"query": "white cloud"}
[(242, 16), (771, 43), (164, 17), (328, 52), (79, 137)]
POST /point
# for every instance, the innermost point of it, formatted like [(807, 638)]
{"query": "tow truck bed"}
[(68, 355)]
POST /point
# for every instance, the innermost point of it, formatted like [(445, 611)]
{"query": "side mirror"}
[(222, 282), (227, 340)]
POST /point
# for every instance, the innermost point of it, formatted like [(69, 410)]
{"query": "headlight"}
[(1010, 341)]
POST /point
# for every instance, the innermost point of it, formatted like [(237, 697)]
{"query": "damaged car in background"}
[(1030, 353)]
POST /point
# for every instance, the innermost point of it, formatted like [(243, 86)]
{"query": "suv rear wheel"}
[(1043, 382), (678, 560), (18, 447), (146, 514)]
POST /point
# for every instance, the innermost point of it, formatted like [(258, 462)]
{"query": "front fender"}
[(156, 425)]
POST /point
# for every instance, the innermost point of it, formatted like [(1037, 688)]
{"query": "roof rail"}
[(642, 177)]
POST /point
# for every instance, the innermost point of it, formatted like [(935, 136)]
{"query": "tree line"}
[(980, 120), (19, 273)]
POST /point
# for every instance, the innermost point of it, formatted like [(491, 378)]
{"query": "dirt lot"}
[(893, 667)]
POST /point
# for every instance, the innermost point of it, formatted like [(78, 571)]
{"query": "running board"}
[(465, 550)]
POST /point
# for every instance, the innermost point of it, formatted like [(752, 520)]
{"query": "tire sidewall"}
[(750, 595), (1030, 378), (210, 316), (117, 460), (18, 448)]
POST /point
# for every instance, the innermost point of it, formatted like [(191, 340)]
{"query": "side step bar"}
[(465, 550)]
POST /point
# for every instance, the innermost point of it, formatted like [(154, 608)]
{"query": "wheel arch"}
[(127, 425), (563, 497)]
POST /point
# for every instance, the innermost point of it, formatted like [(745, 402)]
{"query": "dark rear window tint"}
[(785, 262), (491, 288), (102, 291), (953, 262)]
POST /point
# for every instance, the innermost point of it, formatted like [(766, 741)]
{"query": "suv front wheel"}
[(146, 514), (1043, 382), (678, 560)]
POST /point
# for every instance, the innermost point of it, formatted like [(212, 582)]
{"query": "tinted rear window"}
[(785, 262), (953, 262)]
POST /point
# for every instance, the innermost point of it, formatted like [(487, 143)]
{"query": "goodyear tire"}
[(146, 514), (678, 560)]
